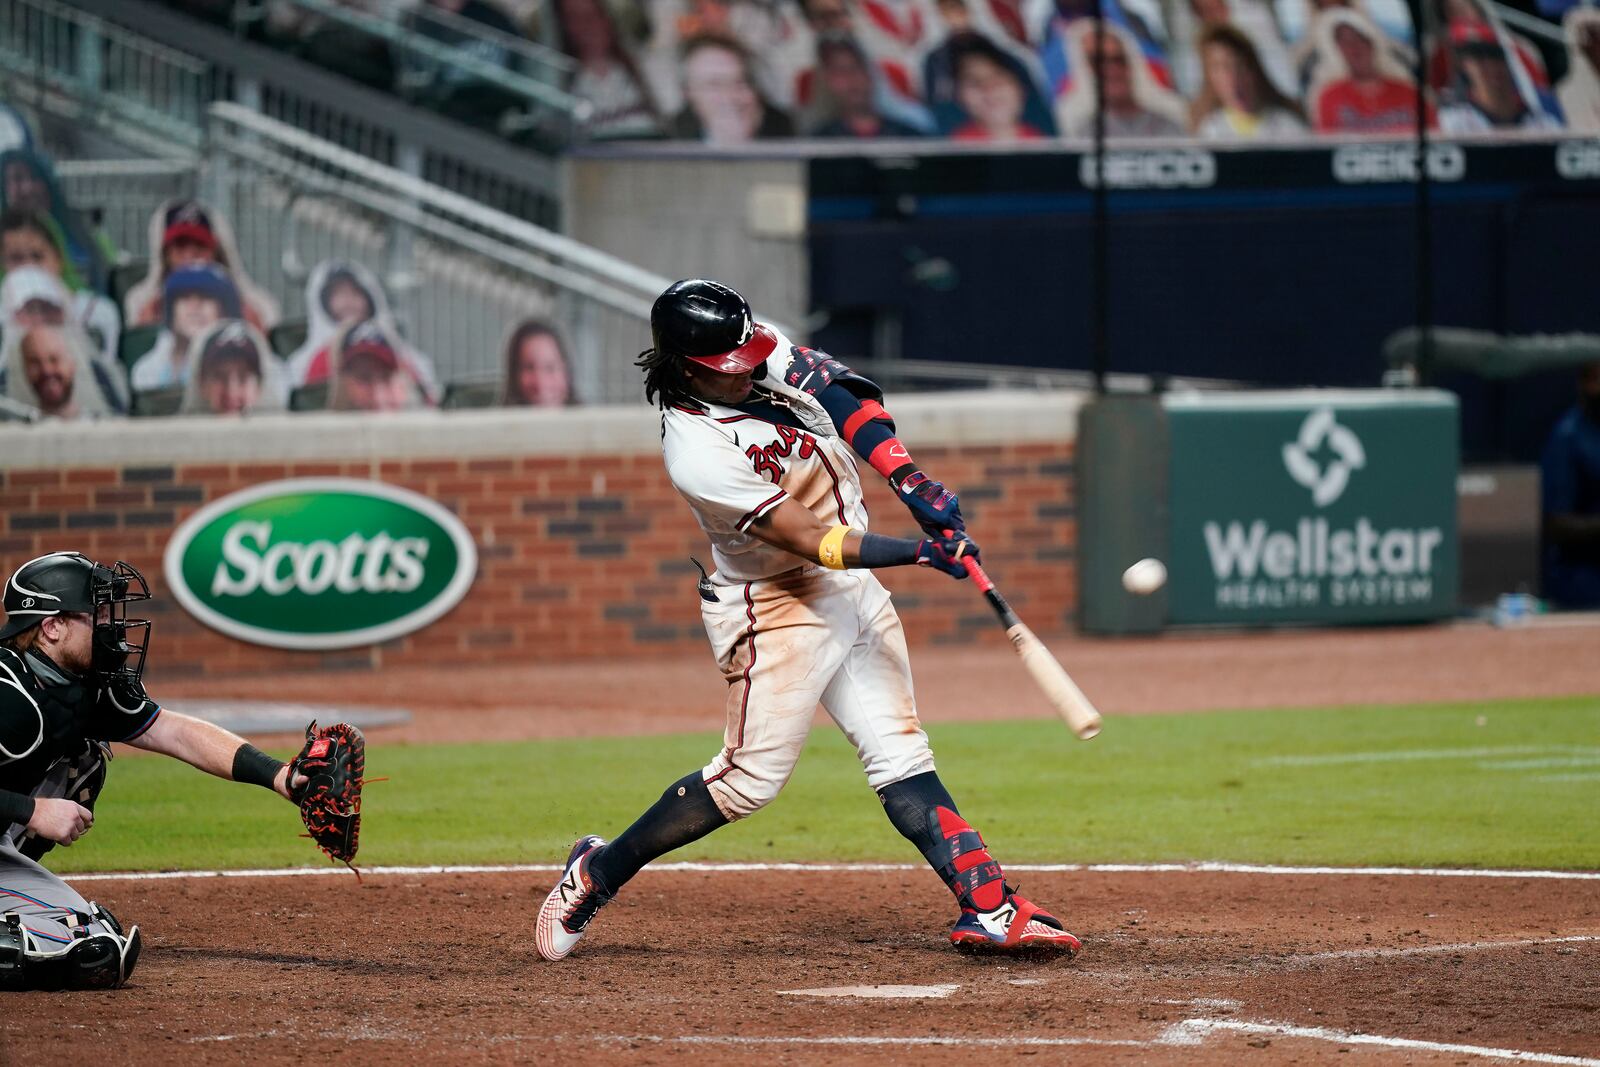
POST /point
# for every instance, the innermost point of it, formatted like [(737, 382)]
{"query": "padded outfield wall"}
[(582, 544)]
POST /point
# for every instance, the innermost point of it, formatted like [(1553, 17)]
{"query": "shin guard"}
[(963, 861)]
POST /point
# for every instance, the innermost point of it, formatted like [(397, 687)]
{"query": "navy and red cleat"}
[(1016, 928)]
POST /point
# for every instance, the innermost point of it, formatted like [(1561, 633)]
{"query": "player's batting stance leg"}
[(758, 435)]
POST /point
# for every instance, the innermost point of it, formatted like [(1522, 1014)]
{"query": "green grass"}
[(1152, 788)]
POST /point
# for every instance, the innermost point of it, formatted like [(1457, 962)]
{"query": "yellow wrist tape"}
[(831, 552)]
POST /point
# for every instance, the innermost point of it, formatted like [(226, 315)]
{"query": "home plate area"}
[(840, 966)]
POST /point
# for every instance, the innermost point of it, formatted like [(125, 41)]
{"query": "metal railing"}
[(117, 76), (460, 275), (466, 52), (120, 195), (104, 61)]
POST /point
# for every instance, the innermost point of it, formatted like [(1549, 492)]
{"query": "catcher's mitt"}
[(333, 761)]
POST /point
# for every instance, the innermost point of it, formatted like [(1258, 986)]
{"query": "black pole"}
[(1101, 237), (1424, 206)]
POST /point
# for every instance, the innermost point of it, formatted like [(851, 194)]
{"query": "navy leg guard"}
[(921, 809)]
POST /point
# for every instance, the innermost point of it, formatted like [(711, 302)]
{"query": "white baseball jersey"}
[(734, 467)]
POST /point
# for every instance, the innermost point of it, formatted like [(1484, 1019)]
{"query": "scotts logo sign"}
[(318, 563), (1284, 510)]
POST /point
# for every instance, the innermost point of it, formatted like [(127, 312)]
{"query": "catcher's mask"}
[(70, 582)]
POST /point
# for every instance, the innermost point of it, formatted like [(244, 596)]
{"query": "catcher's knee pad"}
[(102, 960), (963, 861)]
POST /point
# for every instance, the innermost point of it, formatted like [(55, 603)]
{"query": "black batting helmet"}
[(709, 323)]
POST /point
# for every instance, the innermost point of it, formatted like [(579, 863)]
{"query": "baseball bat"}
[(1047, 673)]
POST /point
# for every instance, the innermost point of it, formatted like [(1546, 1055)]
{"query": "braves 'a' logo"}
[(790, 442)]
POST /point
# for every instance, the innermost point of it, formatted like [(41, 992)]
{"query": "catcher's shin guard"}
[(93, 961)]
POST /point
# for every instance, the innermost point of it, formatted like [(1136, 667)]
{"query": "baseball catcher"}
[(71, 670), (761, 438)]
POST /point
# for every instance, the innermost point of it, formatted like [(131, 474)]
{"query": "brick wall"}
[(580, 554)]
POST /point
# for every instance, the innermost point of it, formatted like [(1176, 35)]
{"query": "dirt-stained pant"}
[(788, 643)]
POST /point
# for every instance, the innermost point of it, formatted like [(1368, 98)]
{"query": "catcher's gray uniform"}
[(53, 729)]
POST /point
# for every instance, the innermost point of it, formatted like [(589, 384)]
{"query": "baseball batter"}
[(761, 438), (71, 681)]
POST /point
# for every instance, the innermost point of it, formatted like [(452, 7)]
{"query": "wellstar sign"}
[(1351, 518)]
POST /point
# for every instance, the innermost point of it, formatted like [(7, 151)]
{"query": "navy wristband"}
[(878, 550)]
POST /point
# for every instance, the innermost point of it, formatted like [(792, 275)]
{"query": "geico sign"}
[(1369, 163), (1151, 170), (1577, 160)]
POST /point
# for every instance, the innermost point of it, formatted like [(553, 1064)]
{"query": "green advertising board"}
[(1312, 507), (320, 563)]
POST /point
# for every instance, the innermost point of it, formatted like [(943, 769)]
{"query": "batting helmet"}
[(709, 323)]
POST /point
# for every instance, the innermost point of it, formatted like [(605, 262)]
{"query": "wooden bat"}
[(1051, 678)]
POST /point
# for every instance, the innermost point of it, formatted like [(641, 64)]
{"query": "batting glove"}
[(946, 553), (935, 508)]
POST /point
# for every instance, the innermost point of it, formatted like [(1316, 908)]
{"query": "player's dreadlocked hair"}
[(664, 381)]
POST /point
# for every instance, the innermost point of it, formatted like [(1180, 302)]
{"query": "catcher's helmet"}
[(708, 323), (72, 582)]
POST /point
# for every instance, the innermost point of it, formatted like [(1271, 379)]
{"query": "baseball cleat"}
[(571, 904), (1017, 927)]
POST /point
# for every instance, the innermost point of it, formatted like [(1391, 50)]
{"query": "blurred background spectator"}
[(31, 239), (1579, 92), (371, 371), (195, 298), (959, 20), (28, 183), (1309, 48), (850, 100), (1570, 491), (774, 35), (49, 368), (1442, 45), (722, 104), (1237, 101), (339, 294), (187, 233), (235, 374), (607, 76), (893, 35), (32, 297), (1488, 96), (1137, 105), (1363, 89), (1188, 20), (538, 372), (993, 95), (1064, 53)]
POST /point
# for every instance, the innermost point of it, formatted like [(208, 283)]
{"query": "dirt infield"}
[(1179, 968), (1171, 673)]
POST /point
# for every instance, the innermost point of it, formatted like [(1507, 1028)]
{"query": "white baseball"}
[(1145, 577)]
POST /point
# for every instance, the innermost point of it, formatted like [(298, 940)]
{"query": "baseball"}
[(1145, 577)]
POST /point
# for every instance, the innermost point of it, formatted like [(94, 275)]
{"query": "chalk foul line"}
[(1194, 1031), (1309, 958), (1188, 1033), (1209, 867)]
